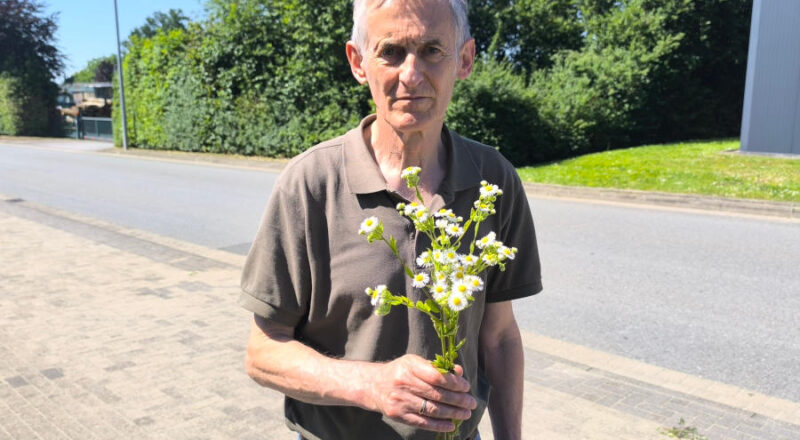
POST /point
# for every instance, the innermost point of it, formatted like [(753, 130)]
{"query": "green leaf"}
[(432, 306)]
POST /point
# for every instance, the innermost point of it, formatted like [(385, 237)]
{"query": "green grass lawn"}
[(711, 168)]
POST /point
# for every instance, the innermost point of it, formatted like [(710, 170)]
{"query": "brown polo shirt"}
[(308, 268)]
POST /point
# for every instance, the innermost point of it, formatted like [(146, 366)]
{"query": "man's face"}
[(411, 62)]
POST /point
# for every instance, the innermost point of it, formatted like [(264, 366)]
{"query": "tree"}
[(99, 69), (527, 33), (172, 20), (29, 63), (698, 91)]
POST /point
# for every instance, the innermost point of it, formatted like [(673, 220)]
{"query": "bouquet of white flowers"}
[(448, 280)]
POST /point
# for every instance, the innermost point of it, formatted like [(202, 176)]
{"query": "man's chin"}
[(411, 121)]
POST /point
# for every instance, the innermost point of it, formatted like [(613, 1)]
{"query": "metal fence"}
[(89, 128)]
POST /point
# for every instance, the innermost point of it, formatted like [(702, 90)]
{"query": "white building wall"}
[(771, 114)]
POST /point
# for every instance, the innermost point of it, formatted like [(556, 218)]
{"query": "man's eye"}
[(390, 52)]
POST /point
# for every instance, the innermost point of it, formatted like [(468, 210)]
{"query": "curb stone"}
[(786, 210)]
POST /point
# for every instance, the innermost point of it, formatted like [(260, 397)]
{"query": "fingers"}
[(435, 417), (428, 373), (438, 410), (412, 391), (450, 389)]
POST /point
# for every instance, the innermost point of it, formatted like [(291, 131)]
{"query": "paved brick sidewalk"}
[(109, 333)]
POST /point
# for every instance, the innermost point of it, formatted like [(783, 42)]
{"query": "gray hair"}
[(459, 8)]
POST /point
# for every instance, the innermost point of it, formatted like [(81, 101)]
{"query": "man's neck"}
[(394, 151)]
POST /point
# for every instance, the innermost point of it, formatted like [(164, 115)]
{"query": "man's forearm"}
[(505, 370), (503, 362), (298, 371)]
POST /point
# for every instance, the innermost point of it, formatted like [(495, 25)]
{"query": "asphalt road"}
[(716, 296)]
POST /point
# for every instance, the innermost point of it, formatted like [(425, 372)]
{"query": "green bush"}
[(25, 111), (11, 109), (265, 77), (589, 98), (495, 107)]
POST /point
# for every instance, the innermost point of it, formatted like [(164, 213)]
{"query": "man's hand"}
[(399, 388)]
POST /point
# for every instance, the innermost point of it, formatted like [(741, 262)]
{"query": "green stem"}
[(474, 238), (397, 254)]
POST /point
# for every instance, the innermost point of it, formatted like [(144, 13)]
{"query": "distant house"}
[(86, 99), (771, 114), (83, 91)]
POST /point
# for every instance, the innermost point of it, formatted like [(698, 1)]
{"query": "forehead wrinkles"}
[(417, 25)]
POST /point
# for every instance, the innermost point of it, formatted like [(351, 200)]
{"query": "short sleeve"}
[(522, 276), (276, 278)]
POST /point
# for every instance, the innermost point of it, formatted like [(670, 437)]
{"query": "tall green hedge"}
[(553, 79), (257, 78), (25, 109)]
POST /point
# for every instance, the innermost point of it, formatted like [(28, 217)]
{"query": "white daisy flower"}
[(451, 256), (438, 256), (410, 208), (486, 240), (507, 252), (458, 275), (454, 230), (489, 190), (440, 277), (469, 260), (368, 225), (421, 215), (439, 291), (444, 213), (378, 295), (484, 207), (461, 287), (475, 283), (490, 259), (424, 259), (410, 171), (442, 223), (420, 280), (457, 302)]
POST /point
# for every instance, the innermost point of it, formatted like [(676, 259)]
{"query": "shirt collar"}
[(364, 175)]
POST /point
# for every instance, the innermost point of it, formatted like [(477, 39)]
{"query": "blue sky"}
[(86, 27)]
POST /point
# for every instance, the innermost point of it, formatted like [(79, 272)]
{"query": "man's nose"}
[(410, 71)]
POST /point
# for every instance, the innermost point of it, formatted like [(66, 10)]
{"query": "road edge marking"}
[(729, 395)]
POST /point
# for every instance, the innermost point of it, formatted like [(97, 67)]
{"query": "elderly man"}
[(348, 374)]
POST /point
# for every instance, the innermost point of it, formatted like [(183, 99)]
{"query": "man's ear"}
[(355, 59), (466, 59)]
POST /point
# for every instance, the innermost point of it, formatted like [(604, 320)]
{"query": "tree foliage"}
[(554, 78), (262, 77), (97, 70), (173, 19), (29, 62)]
